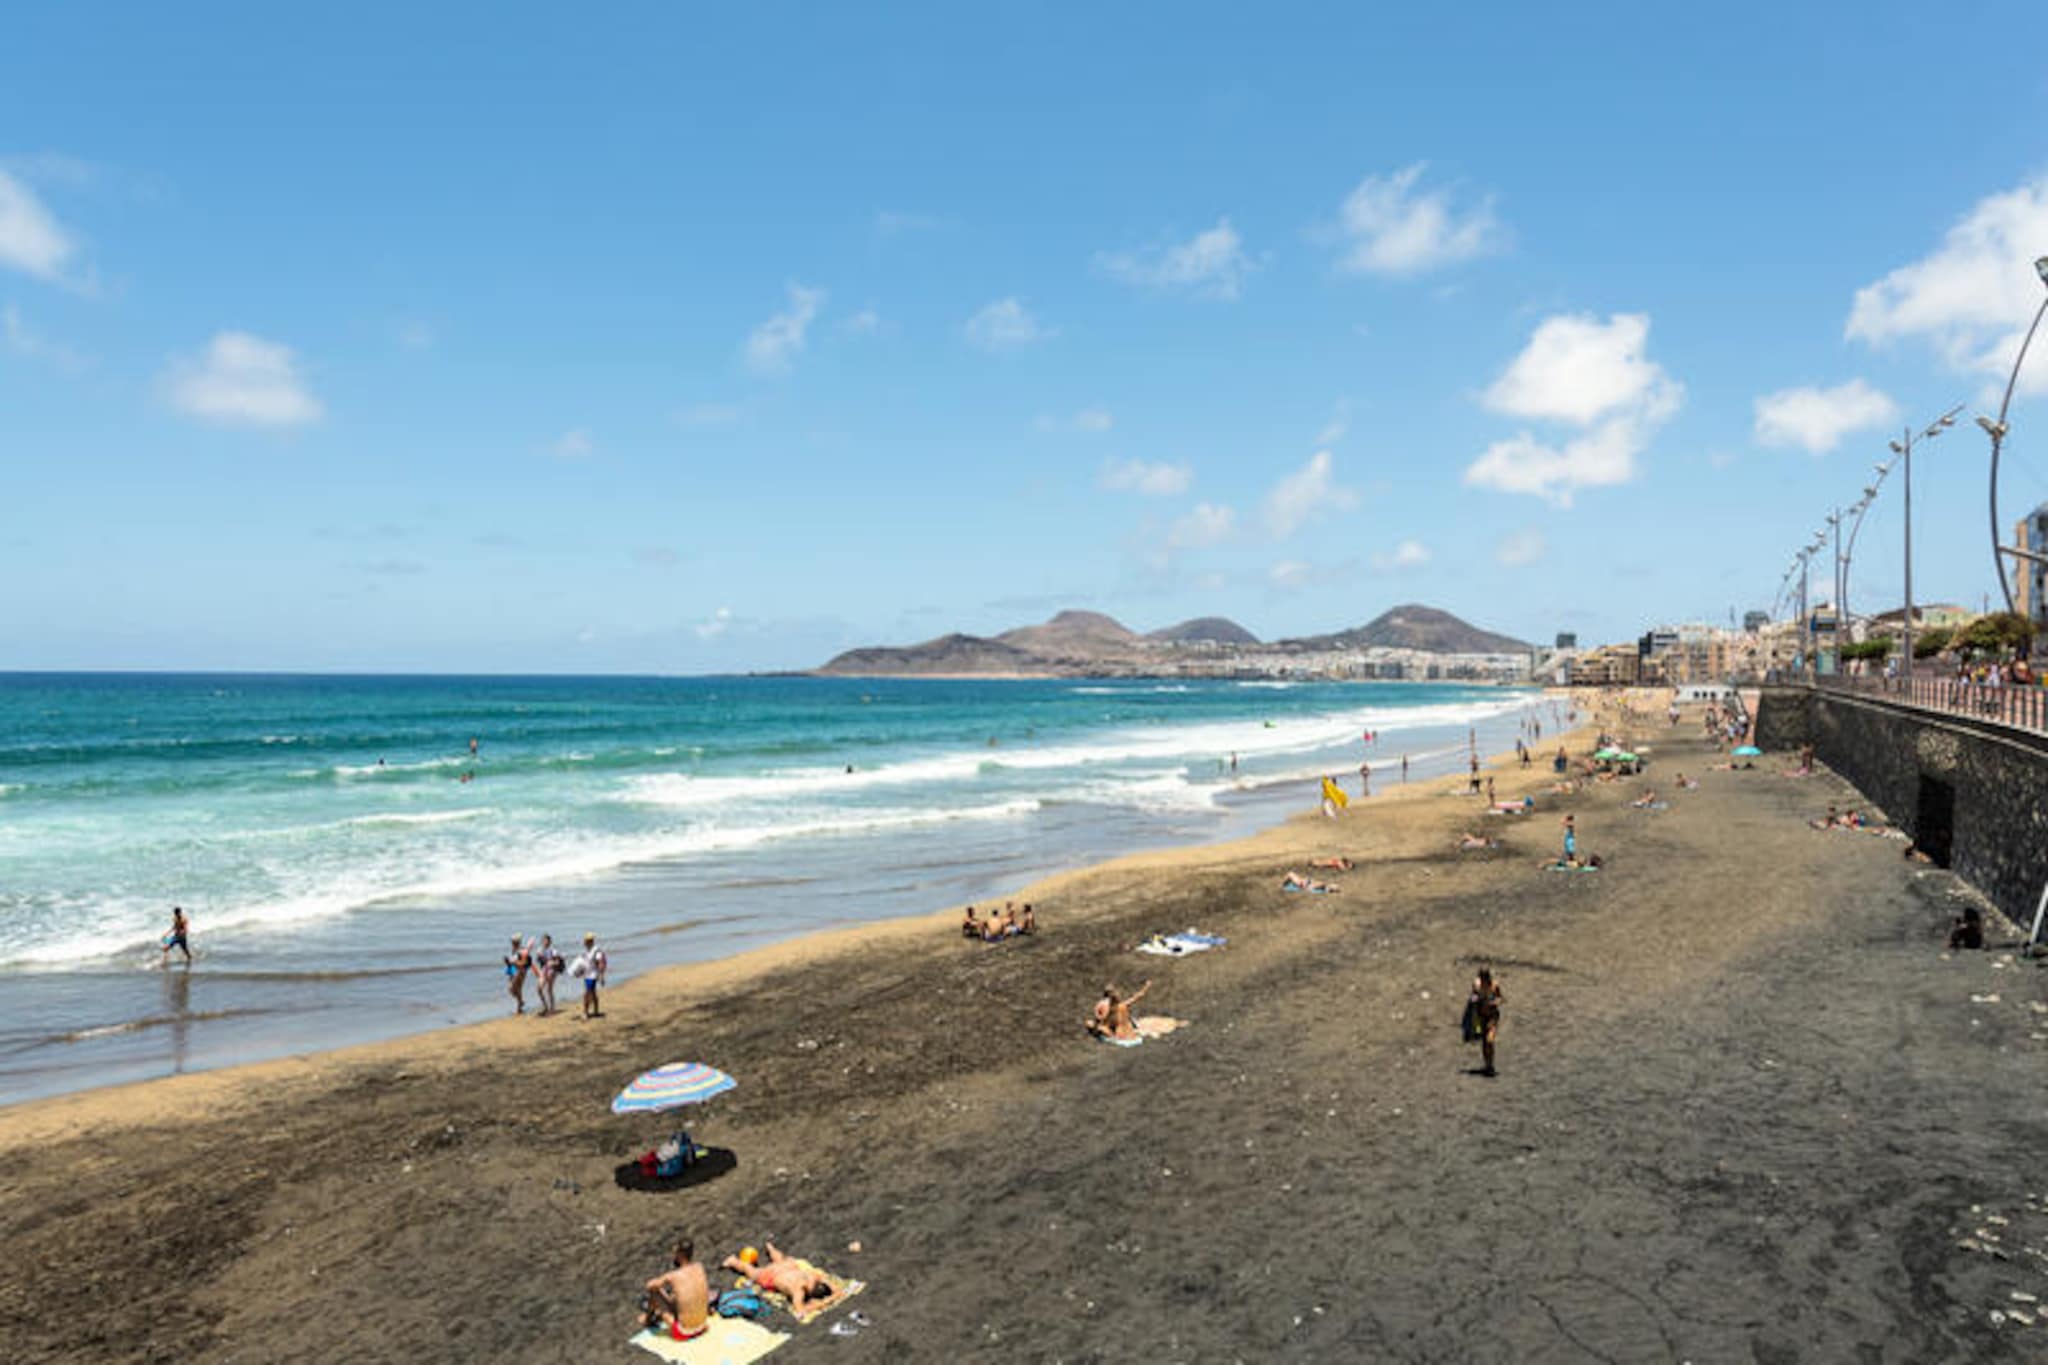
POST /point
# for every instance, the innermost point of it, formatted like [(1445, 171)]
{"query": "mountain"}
[(1073, 633), (948, 656), (1087, 644), (1413, 626), (1215, 630)]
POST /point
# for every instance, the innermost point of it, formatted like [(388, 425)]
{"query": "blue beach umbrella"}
[(1749, 751), (671, 1087)]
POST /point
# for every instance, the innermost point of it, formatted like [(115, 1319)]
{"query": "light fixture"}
[(2041, 268), (1995, 430), (1897, 449)]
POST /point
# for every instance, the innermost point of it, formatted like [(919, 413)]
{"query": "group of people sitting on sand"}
[(678, 1303), (999, 925)]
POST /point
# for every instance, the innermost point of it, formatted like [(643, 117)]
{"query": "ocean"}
[(353, 871)]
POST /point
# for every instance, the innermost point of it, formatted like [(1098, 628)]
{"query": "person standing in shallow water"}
[(181, 928), (1485, 1005)]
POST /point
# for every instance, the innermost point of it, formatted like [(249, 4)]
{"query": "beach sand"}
[(1746, 1111)]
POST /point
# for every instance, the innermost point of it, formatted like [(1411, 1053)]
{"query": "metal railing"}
[(2022, 708)]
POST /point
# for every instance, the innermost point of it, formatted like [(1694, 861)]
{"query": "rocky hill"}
[(1412, 626), (1217, 630), (1081, 644)]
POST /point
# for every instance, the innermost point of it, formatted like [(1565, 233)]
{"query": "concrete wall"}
[(1987, 783)]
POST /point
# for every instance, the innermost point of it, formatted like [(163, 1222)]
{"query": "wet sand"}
[(1746, 1111)]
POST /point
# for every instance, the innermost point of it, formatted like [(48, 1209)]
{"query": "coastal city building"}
[(2030, 577)]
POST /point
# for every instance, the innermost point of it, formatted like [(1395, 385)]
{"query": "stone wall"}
[(1972, 793)]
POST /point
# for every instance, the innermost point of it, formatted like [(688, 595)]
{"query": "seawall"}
[(1973, 794)]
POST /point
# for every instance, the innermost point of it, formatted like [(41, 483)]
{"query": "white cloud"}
[(1289, 574), (1577, 369), (1305, 494), (1817, 419), (1518, 549), (1389, 228), (415, 335), (779, 340), (1211, 262), (1004, 325), (714, 625), (1409, 554), (1158, 480), (1972, 297), (31, 240), (1583, 372), (1093, 421), (20, 339), (1208, 524), (242, 379), (574, 444), (865, 323), (1340, 423)]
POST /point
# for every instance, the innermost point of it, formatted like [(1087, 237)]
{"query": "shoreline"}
[(250, 1019), (197, 1093)]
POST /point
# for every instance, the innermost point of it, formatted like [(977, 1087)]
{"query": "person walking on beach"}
[(181, 928), (1473, 790), (590, 968), (547, 965), (518, 963), (1571, 841), (1484, 1008), (1365, 779)]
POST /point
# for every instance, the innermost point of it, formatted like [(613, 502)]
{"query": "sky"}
[(686, 339)]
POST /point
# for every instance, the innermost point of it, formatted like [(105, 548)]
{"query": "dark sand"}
[(1746, 1111)]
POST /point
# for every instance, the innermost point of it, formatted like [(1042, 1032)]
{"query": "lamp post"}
[(1996, 430), (1903, 448)]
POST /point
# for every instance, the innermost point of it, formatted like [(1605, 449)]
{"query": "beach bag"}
[(1468, 1027), (742, 1303)]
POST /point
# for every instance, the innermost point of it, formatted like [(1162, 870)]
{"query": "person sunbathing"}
[(1111, 1017), (1294, 881), (1029, 923), (970, 927), (1337, 864), (678, 1302), (784, 1275), (1646, 800), (1687, 783), (1468, 841)]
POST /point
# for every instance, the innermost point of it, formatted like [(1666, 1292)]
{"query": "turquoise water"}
[(349, 865)]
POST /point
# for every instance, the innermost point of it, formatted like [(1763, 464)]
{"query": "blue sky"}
[(693, 339)]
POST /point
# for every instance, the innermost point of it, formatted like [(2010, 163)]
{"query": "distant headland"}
[(1410, 642)]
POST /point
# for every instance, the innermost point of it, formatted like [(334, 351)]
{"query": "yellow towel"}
[(730, 1341)]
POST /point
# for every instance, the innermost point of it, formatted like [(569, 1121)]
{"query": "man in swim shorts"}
[(590, 966), (786, 1276), (180, 927), (679, 1302)]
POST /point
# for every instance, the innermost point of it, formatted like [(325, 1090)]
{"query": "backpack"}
[(742, 1303)]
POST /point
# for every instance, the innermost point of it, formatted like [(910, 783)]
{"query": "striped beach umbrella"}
[(672, 1086)]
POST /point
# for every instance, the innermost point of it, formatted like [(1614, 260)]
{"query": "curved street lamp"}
[(1996, 430)]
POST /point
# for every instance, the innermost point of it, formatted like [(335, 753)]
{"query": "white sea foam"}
[(126, 928)]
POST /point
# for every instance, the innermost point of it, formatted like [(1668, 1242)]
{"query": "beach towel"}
[(1312, 890), (1120, 1042), (1567, 867), (842, 1290), (1191, 936), (1157, 1025), (729, 1341), (1167, 947)]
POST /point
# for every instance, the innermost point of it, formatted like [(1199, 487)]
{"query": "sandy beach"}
[(1747, 1110)]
